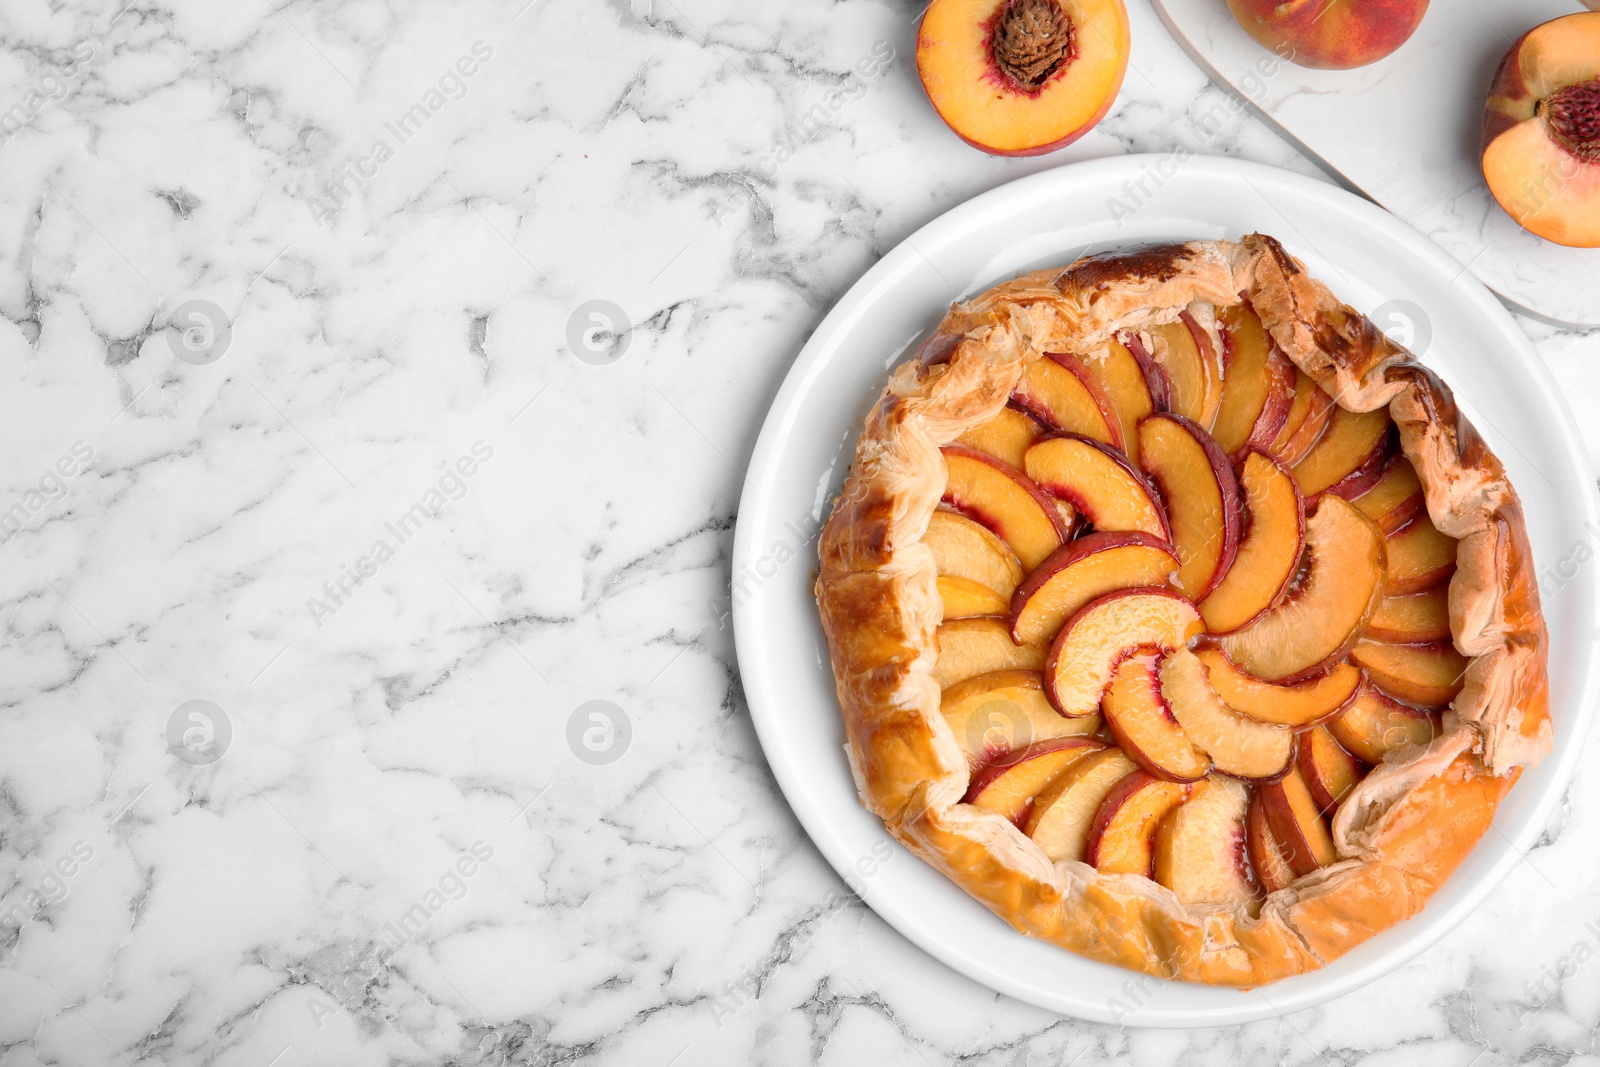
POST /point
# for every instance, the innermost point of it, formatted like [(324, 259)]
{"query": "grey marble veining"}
[(367, 503)]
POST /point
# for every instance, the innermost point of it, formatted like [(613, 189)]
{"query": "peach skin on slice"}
[(1099, 483), (964, 598), (1122, 377), (969, 647), (1080, 571), (1193, 377), (1103, 633), (1327, 610), (1008, 786), (1376, 724), (1419, 557), (965, 549), (1022, 77), (1201, 494), (1006, 436), (1302, 705), (1267, 856), (1062, 814), (1139, 717), (1430, 674), (1122, 836), (1541, 137), (1297, 824), (1237, 744), (1200, 849), (1351, 439), (1395, 499), (1006, 501), (1269, 553), (1003, 711), (1059, 392), (1257, 383), (1329, 771), (1413, 618)]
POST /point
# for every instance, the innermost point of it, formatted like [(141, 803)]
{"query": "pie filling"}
[(1189, 601)]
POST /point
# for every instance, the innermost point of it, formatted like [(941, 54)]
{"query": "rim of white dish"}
[(1092, 182)]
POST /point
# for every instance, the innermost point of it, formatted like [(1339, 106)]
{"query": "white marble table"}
[(398, 536)]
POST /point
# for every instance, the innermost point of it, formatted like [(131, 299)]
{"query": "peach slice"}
[(1413, 618), (1294, 447), (1329, 34), (1541, 131), (965, 549), (1327, 609), (1238, 745), (1003, 711), (1305, 391), (1267, 856), (1376, 724), (1201, 494), (1200, 849), (1269, 553), (1008, 786), (1022, 77), (1330, 772), (964, 598), (1352, 439), (1301, 705), (1080, 571), (1123, 382), (1141, 720), (1419, 557), (1297, 824), (1428, 674), (969, 647), (1103, 633), (1395, 499), (1099, 483), (1006, 501), (1122, 836), (1257, 384), (1063, 814), (1184, 352), (1006, 436), (1059, 391)]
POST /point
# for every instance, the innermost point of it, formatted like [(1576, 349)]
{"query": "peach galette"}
[(1179, 615)]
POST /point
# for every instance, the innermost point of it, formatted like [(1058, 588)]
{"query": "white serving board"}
[(1404, 131)]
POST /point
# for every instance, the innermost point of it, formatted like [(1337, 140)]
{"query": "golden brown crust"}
[(1400, 833)]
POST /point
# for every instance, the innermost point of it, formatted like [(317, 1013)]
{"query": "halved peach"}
[(1003, 711), (1099, 483), (1184, 352), (1062, 814), (1395, 499), (1006, 436), (1270, 552), (1121, 377), (1201, 494), (1419, 557), (1428, 674), (963, 598), (1541, 131), (1103, 633), (1237, 744), (1080, 571), (1122, 836), (1008, 786), (1328, 608), (1267, 856), (1376, 724), (1353, 438), (1061, 393), (1297, 825), (1257, 383), (1306, 704), (1412, 618), (969, 647), (1200, 849), (1294, 447), (1330, 772), (966, 549), (1006, 501), (1142, 722)]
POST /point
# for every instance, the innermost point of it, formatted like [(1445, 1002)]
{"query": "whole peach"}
[(1330, 34)]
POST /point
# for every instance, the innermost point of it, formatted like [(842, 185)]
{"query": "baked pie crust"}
[(1399, 833)]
